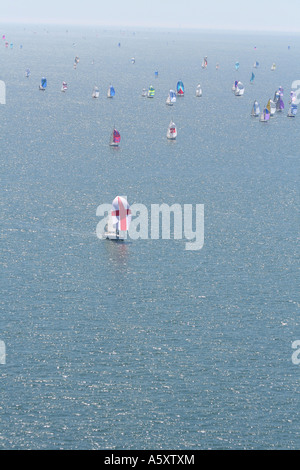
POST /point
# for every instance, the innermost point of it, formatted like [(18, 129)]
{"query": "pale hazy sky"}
[(269, 15)]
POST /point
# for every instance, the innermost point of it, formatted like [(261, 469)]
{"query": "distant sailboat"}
[(273, 68), (279, 105), (76, 61), (115, 138), (151, 92), (265, 116), (204, 63), (43, 84), (234, 86), (217, 66), (171, 98), (27, 73), (292, 97), (64, 87), (144, 92), (237, 65), (180, 88), (255, 109), (199, 91), (172, 95), (276, 96), (118, 221), (256, 64), (271, 106), (95, 93), (133, 60), (252, 78), (292, 110), (168, 101), (240, 89), (172, 131), (111, 92)]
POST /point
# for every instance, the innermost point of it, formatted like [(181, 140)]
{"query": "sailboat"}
[(133, 60), (168, 101), (279, 105), (271, 106), (27, 73), (292, 110), (240, 89), (237, 65), (144, 92), (180, 88), (151, 92), (199, 91), (115, 138), (217, 66), (204, 63), (118, 220), (111, 92), (265, 116), (234, 86), (172, 95), (172, 131), (76, 61), (292, 97), (64, 87), (95, 93), (273, 68), (256, 64), (252, 78), (255, 109), (43, 84)]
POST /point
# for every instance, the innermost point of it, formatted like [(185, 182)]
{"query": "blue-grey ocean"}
[(144, 344)]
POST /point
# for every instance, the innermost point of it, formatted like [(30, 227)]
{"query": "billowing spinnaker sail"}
[(180, 88), (121, 213), (116, 136)]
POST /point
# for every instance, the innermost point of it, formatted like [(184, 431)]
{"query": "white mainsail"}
[(199, 91)]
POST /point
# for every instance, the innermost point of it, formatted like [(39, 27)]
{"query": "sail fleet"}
[(272, 107)]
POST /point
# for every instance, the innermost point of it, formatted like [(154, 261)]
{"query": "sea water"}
[(143, 344)]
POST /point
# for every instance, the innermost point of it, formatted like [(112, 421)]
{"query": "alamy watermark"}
[(296, 354), (2, 92), (157, 224), (2, 353)]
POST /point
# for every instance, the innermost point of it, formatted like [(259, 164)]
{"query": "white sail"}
[(95, 93), (199, 91), (172, 131), (240, 89), (168, 101), (64, 87)]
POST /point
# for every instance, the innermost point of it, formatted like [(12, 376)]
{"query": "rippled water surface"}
[(145, 345)]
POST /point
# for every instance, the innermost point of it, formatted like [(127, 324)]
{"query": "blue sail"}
[(252, 78), (112, 91), (44, 82), (237, 65), (294, 109)]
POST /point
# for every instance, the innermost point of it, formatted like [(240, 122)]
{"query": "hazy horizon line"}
[(142, 26)]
